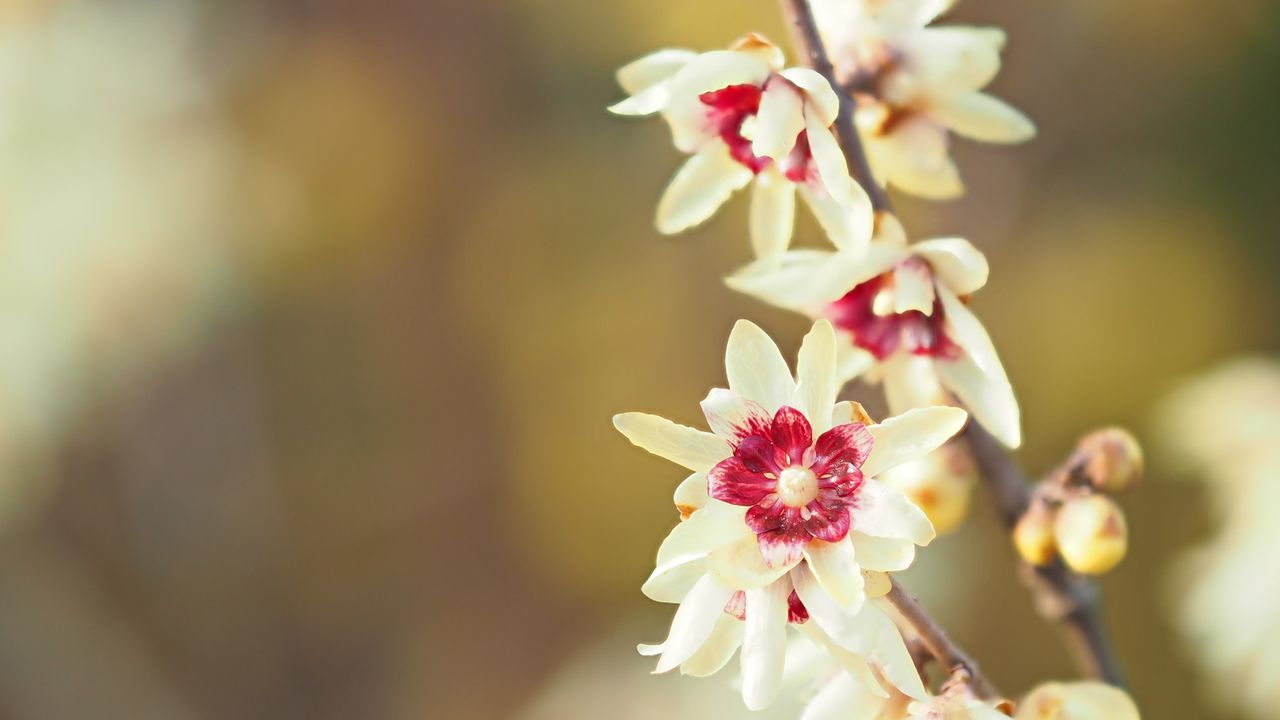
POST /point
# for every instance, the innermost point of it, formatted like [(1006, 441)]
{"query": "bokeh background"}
[(313, 315)]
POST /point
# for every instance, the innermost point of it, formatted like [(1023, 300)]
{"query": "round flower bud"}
[(1086, 700), (940, 483), (1033, 535), (1114, 459), (1091, 533)]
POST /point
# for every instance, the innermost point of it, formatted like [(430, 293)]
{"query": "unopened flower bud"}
[(1091, 533), (1114, 459), (941, 484), (1085, 700), (1033, 535)]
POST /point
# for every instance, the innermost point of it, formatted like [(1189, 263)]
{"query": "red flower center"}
[(728, 108), (796, 489), (883, 334)]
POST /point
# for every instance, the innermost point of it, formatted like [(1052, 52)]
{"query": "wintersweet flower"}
[(743, 117), (843, 697), (1085, 700), (901, 310), (915, 84), (784, 506)]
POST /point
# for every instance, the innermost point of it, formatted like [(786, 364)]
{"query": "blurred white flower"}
[(1225, 426), (743, 117), (780, 525), (901, 309), (1085, 700), (841, 697), (915, 84)]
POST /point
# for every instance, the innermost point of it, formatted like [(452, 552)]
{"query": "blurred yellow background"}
[(314, 313)]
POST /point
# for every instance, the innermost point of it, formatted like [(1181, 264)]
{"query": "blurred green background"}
[(313, 315)]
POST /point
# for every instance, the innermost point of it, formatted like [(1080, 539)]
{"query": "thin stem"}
[(935, 639), (1071, 601), (805, 32)]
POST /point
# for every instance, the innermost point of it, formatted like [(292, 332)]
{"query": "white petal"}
[(773, 213), (832, 168), (764, 644), (843, 698), (912, 434), (913, 288), (982, 117), (915, 158), (958, 265), (818, 92), (732, 416), (670, 583), (686, 113), (691, 493), (804, 281), (989, 396), (741, 565), (967, 331), (648, 650), (716, 652), (884, 512), (911, 381), (715, 525), (636, 76), (815, 394), (699, 188), (892, 655), (779, 120), (646, 102), (756, 368), (695, 449), (848, 228), (850, 630), (880, 554), (835, 565), (855, 665), (851, 360), (849, 411), (949, 60), (694, 621)]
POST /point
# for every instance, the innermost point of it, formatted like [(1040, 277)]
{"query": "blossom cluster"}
[(799, 505)]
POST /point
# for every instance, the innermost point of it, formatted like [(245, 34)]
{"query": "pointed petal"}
[(848, 228), (958, 265), (636, 76), (670, 583), (880, 554), (891, 653), (699, 188), (836, 568), (691, 494), (832, 168), (849, 630), (819, 94), (804, 281), (982, 117), (988, 396), (694, 622), (710, 71), (779, 120), (843, 698), (912, 434), (881, 511), (764, 644), (717, 524), (716, 652), (740, 565), (695, 449), (734, 417), (756, 368), (966, 330), (815, 395), (773, 213)]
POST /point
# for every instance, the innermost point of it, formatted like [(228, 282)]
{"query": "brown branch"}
[(805, 32), (1071, 601), (936, 641), (1061, 596)]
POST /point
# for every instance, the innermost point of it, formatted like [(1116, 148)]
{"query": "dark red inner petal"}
[(842, 445), (729, 108), (732, 481), (828, 520), (882, 335), (791, 433)]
